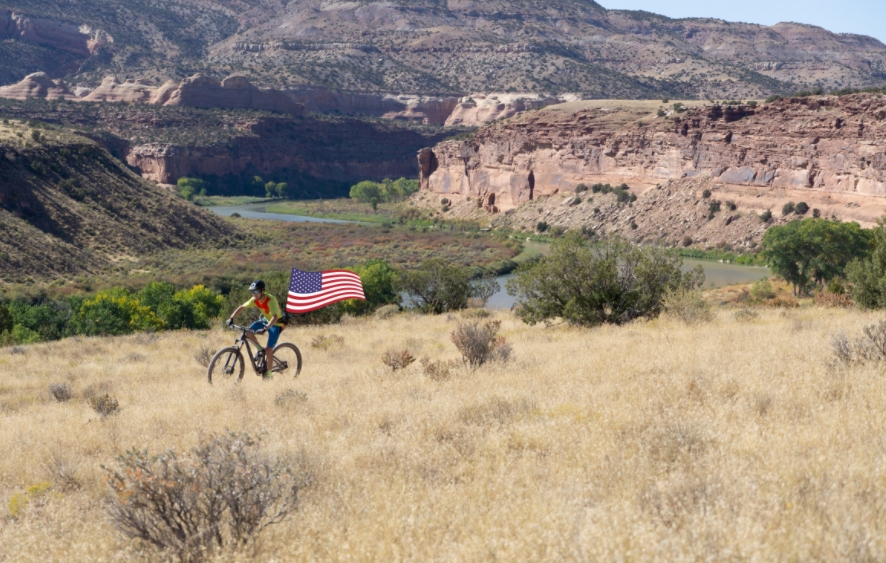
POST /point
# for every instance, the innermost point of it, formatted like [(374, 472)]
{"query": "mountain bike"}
[(228, 362)]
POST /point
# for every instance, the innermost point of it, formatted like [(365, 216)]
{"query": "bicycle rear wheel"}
[(287, 359), (226, 364)]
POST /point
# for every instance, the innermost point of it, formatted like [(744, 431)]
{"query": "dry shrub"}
[(676, 444), (105, 405), (62, 470), (397, 359), (828, 299), (18, 350), (323, 342), (96, 389), (868, 347), (479, 344), (290, 398), (204, 355), (475, 313), (223, 494), (387, 311), (688, 306), (495, 412), (438, 370), (60, 391), (744, 314), (781, 303)]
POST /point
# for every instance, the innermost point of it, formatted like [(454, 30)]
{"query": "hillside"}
[(67, 207), (734, 440), (430, 46)]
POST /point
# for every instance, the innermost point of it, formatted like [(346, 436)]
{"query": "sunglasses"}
[(256, 292)]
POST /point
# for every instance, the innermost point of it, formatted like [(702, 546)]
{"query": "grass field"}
[(726, 441)]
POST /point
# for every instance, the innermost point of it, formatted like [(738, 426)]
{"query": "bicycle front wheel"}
[(287, 359), (226, 364)]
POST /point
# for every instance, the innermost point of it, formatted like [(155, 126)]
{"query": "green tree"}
[(613, 282), (271, 189), (191, 309), (365, 191), (437, 287), (155, 294), (813, 251), (867, 276), (6, 319), (282, 189), (190, 187)]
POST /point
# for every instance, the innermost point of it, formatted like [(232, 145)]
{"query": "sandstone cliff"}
[(819, 144)]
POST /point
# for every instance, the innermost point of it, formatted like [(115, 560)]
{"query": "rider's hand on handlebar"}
[(230, 323), (260, 331)]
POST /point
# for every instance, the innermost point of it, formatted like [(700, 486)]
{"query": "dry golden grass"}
[(725, 441)]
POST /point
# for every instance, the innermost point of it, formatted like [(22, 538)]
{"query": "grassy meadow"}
[(657, 441)]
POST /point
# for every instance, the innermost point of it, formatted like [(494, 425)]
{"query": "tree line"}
[(386, 191)]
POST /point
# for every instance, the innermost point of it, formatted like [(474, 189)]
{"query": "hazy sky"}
[(866, 17)]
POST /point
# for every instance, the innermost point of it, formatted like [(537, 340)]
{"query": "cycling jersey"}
[(268, 307)]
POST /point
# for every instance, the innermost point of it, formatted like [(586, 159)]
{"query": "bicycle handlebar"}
[(243, 328)]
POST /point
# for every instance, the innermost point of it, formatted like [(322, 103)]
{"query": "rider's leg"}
[(256, 326), (273, 336)]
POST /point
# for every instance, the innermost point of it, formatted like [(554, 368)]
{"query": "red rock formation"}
[(82, 41), (37, 85), (823, 143)]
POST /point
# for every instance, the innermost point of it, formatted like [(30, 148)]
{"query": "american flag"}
[(313, 290)]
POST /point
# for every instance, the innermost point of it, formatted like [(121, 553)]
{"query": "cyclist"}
[(270, 310)]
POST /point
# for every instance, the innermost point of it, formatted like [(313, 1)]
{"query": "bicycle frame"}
[(241, 340)]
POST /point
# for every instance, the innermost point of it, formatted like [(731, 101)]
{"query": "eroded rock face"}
[(480, 109), (113, 90), (37, 85), (81, 40), (824, 143)]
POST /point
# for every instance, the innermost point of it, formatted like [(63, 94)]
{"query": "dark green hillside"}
[(68, 207)]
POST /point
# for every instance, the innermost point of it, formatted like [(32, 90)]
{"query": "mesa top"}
[(268, 307)]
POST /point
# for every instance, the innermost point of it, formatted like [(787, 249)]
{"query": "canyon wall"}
[(346, 151), (823, 144)]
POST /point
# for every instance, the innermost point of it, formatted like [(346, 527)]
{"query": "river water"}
[(716, 274)]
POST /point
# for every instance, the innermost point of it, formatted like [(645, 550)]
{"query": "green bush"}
[(766, 216), (379, 286), (762, 289), (438, 287), (115, 312), (772, 98), (788, 208), (613, 282), (541, 226), (801, 208), (188, 188)]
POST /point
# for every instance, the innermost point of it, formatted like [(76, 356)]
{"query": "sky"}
[(865, 17)]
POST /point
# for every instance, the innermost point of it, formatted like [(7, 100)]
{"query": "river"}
[(716, 274)]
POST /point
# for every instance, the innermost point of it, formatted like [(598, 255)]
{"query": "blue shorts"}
[(273, 332)]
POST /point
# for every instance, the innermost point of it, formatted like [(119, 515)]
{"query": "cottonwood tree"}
[(437, 287), (612, 282), (812, 252)]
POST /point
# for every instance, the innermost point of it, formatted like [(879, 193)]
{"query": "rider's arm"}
[(237, 312)]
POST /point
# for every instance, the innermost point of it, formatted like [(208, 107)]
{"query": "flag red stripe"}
[(337, 285)]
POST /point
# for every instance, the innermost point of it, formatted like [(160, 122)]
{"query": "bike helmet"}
[(257, 285)]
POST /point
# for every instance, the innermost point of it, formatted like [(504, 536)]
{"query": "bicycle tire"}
[(228, 360), (287, 350)]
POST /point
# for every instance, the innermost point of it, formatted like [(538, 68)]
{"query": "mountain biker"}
[(270, 310)]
